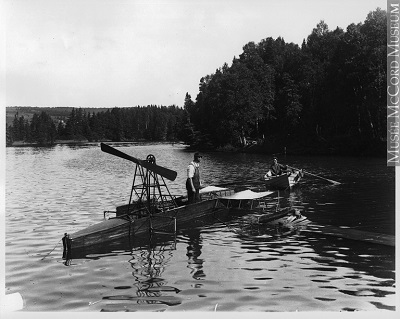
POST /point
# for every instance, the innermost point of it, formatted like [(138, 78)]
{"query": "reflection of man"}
[(193, 252), (193, 179)]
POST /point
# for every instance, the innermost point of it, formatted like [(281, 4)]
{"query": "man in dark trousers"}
[(193, 179)]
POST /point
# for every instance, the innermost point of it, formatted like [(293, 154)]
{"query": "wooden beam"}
[(348, 233)]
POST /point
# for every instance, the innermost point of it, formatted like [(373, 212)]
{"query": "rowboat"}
[(284, 181), (152, 209)]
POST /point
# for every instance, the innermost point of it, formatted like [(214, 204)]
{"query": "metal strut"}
[(150, 196)]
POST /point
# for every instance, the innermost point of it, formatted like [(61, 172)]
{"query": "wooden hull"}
[(283, 181), (124, 227), (354, 234)]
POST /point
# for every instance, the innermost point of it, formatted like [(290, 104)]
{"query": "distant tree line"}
[(151, 123), (329, 90), (41, 130)]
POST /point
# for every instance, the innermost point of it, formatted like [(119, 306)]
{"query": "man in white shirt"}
[(193, 179)]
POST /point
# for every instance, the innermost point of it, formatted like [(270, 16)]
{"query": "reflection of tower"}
[(193, 252), (148, 266)]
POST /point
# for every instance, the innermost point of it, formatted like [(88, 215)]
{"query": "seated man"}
[(277, 169)]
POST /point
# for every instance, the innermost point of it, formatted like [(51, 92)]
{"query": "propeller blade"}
[(165, 172)]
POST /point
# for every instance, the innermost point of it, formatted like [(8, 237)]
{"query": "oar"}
[(165, 172), (329, 180)]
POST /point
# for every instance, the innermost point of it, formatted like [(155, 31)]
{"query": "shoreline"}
[(81, 142), (313, 149)]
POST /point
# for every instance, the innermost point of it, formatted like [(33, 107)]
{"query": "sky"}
[(107, 53)]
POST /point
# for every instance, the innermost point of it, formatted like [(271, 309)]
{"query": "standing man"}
[(193, 179)]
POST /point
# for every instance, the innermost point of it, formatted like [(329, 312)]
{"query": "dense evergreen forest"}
[(326, 96), (149, 123)]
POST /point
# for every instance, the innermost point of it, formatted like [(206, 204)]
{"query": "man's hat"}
[(197, 155)]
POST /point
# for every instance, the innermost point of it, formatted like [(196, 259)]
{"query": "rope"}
[(52, 249)]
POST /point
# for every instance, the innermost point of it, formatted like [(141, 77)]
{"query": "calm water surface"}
[(213, 265)]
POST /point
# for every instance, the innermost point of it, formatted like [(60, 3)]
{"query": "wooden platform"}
[(348, 233)]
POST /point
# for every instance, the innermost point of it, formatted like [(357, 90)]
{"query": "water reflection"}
[(193, 252), (335, 268), (372, 259), (68, 188), (148, 265)]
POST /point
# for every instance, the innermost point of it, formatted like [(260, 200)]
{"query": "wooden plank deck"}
[(349, 233)]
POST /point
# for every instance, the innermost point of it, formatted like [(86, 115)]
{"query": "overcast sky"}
[(105, 53)]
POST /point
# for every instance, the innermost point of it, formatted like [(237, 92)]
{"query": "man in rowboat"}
[(193, 179), (276, 169)]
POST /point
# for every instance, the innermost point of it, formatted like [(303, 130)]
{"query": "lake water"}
[(215, 265)]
